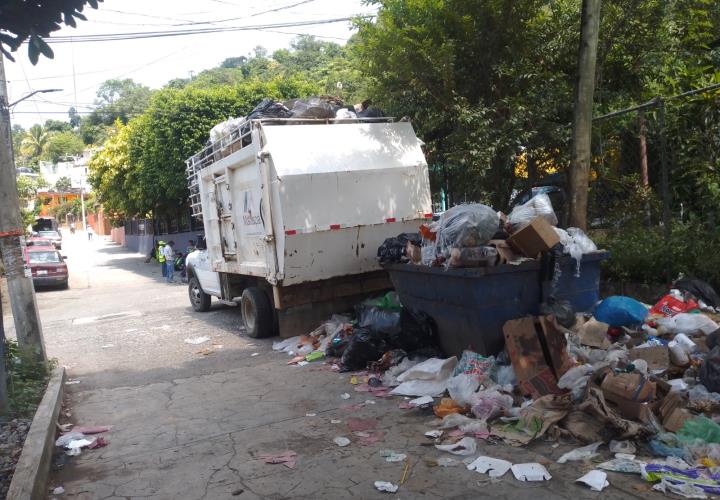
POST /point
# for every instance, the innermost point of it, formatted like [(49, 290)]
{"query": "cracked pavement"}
[(189, 421)]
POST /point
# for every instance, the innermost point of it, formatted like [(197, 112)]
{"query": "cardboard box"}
[(628, 387), (657, 357), (538, 354), (672, 411), (537, 237)]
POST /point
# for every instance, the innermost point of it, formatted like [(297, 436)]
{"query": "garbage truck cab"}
[(294, 211)]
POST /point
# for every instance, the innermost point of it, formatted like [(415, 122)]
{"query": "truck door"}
[(223, 197)]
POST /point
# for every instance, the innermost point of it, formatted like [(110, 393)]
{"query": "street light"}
[(43, 91)]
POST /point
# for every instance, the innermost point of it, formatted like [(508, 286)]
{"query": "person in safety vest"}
[(161, 258)]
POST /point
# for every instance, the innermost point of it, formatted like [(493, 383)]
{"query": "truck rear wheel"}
[(257, 313), (200, 300)]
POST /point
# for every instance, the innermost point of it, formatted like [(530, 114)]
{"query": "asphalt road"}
[(190, 421)]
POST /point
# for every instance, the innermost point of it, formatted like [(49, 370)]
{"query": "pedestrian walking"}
[(169, 254), (90, 232)]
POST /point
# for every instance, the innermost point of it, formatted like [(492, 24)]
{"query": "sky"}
[(79, 68)]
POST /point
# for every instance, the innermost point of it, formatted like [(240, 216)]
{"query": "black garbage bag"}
[(365, 346), (701, 290), (710, 370), (377, 319), (393, 249), (562, 310), (269, 109), (313, 107), (337, 345), (416, 332)]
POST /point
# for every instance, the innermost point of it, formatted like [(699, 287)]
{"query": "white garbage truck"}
[(294, 212)]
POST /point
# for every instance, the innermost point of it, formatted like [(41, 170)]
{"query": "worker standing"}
[(161, 257)]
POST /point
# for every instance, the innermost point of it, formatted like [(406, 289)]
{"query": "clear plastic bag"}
[(491, 404), (538, 206), (466, 226), (472, 257), (462, 388), (576, 380)]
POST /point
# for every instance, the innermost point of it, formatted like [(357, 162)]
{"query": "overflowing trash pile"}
[(475, 235), (312, 108), (637, 385)]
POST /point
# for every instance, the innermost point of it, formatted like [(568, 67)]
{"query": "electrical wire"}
[(195, 31)]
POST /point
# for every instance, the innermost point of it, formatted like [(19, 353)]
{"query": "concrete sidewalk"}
[(189, 421)]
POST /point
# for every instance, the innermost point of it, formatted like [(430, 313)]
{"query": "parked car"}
[(47, 266), (39, 241), (53, 236)]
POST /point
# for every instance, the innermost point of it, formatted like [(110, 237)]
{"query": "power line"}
[(195, 31)]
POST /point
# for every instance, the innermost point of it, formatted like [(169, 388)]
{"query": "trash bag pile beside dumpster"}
[(640, 384)]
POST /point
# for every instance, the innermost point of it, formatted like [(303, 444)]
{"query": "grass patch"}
[(26, 380)]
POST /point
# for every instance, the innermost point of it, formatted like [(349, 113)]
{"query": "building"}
[(74, 168), (49, 200)]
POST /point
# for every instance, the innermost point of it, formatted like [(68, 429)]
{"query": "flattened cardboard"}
[(672, 411), (593, 333), (535, 374), (535, 238), (555, 346), (657, 357)]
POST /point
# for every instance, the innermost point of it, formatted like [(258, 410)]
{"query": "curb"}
[(31, 473)]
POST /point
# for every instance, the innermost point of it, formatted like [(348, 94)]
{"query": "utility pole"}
[(582, 121), (22, 294)]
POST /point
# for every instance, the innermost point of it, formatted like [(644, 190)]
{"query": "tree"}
[(57, 126), (32, 21), (18, 133), (63, 184), (61, 145), (141, 169), (118, 99), (33, 144), (74, 117)]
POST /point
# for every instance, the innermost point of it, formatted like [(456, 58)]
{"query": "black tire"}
[(257, 313), (199, 300), (65, 285)]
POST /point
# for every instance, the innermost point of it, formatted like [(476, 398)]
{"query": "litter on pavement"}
[(287, 458), (386, 486), (596, 479), (196, 340)]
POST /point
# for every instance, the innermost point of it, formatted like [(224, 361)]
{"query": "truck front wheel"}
[(257, 313), (200, 300)]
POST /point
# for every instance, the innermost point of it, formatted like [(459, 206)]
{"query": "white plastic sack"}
[(431, 388), (431, 369), (582, 453), (465, 424), (686, 323), (538, 206), (345, 114), (225, 128), (466, 446), (462, 388), (576, 380)]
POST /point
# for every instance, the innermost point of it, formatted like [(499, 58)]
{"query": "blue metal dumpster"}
[(470, 306)]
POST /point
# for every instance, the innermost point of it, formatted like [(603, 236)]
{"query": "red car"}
[(47, 266)]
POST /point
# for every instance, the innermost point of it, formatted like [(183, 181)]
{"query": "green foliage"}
[(34, 141), (63, 184), (61, 145), (26, 380), (28, 187), (175, 126), (639, 255), (57, 126), (22, 21)]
